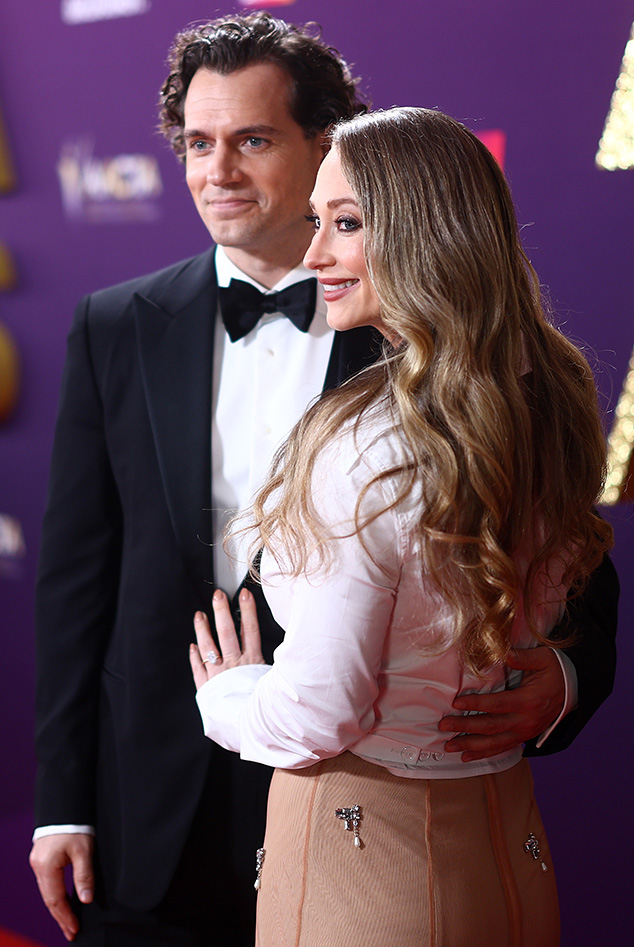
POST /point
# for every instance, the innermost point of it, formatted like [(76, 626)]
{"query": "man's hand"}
[(204, 658), (49, 856), (503, 720)]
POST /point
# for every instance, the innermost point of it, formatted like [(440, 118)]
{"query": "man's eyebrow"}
[(257, 130), (253, 130)]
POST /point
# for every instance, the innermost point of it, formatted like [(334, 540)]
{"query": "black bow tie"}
[(242, 305)]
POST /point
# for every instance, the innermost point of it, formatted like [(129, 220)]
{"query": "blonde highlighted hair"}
[(496, 409)]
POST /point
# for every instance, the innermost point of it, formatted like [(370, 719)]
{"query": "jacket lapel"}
[(175, 327)]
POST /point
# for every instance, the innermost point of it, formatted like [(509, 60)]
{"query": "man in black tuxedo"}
[(168, 417)]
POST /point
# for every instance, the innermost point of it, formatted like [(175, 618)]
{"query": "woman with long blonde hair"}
[(420, 522)]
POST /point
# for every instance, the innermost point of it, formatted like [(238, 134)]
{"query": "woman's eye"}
[(314, 220), (348, 224)]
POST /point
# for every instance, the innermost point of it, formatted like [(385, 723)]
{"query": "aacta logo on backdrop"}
[(124, 188), (87, 11)]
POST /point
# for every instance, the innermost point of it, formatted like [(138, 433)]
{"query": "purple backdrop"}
[(543, 72)]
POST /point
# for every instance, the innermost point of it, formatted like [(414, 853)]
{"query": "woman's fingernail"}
[(244, 595), (217, 595)]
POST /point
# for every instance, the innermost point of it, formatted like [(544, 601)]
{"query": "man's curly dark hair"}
[(323, 89)]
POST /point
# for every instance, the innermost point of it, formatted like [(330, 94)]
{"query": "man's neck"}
[(265, 271)]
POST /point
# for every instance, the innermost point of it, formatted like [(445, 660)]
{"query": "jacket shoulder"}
[(170, 288)]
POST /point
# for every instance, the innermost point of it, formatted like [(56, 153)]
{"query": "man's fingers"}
[(83, 876), (531, 659), (486, 724), (481, 735), (53, 892), (475, 747), (250, 629), (500, 702), (48, 858)]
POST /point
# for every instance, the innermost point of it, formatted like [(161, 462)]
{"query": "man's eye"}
[(255, 142)]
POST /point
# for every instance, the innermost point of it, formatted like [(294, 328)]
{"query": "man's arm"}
[(593, 618), (76, 591), (503, 720)]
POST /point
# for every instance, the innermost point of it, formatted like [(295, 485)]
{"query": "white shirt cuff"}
[(571, 694), (43, 830), (221, 700)]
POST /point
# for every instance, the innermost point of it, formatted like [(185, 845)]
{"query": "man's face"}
[(249, 166)]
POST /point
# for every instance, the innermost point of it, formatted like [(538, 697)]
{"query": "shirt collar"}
[(226, 271)]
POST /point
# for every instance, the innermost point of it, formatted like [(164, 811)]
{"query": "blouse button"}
[(409, 754)]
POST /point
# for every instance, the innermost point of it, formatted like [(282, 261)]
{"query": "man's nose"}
[(223, 167)]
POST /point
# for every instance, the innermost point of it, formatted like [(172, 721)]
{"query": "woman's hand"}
[(205, 660)]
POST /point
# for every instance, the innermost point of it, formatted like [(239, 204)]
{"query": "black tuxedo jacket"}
[(125, 562)]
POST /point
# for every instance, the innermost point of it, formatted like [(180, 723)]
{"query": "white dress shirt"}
[(367, 662), (262, 384)]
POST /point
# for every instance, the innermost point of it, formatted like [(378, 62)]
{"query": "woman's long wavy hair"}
[(496, 409)]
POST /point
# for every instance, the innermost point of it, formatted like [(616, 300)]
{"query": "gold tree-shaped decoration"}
[(616, 148), (619, 484), (616, 151)]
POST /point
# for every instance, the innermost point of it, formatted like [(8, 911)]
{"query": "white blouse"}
[(367, 663)]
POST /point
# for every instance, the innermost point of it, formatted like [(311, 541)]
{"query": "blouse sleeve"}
[(318, 698)]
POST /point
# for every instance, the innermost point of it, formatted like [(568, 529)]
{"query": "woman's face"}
[(336, 251)]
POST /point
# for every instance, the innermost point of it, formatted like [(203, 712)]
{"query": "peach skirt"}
[(442, 862)]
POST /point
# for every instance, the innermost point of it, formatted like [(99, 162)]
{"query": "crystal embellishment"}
[(351, 817), (531, 845), (259, 861)]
